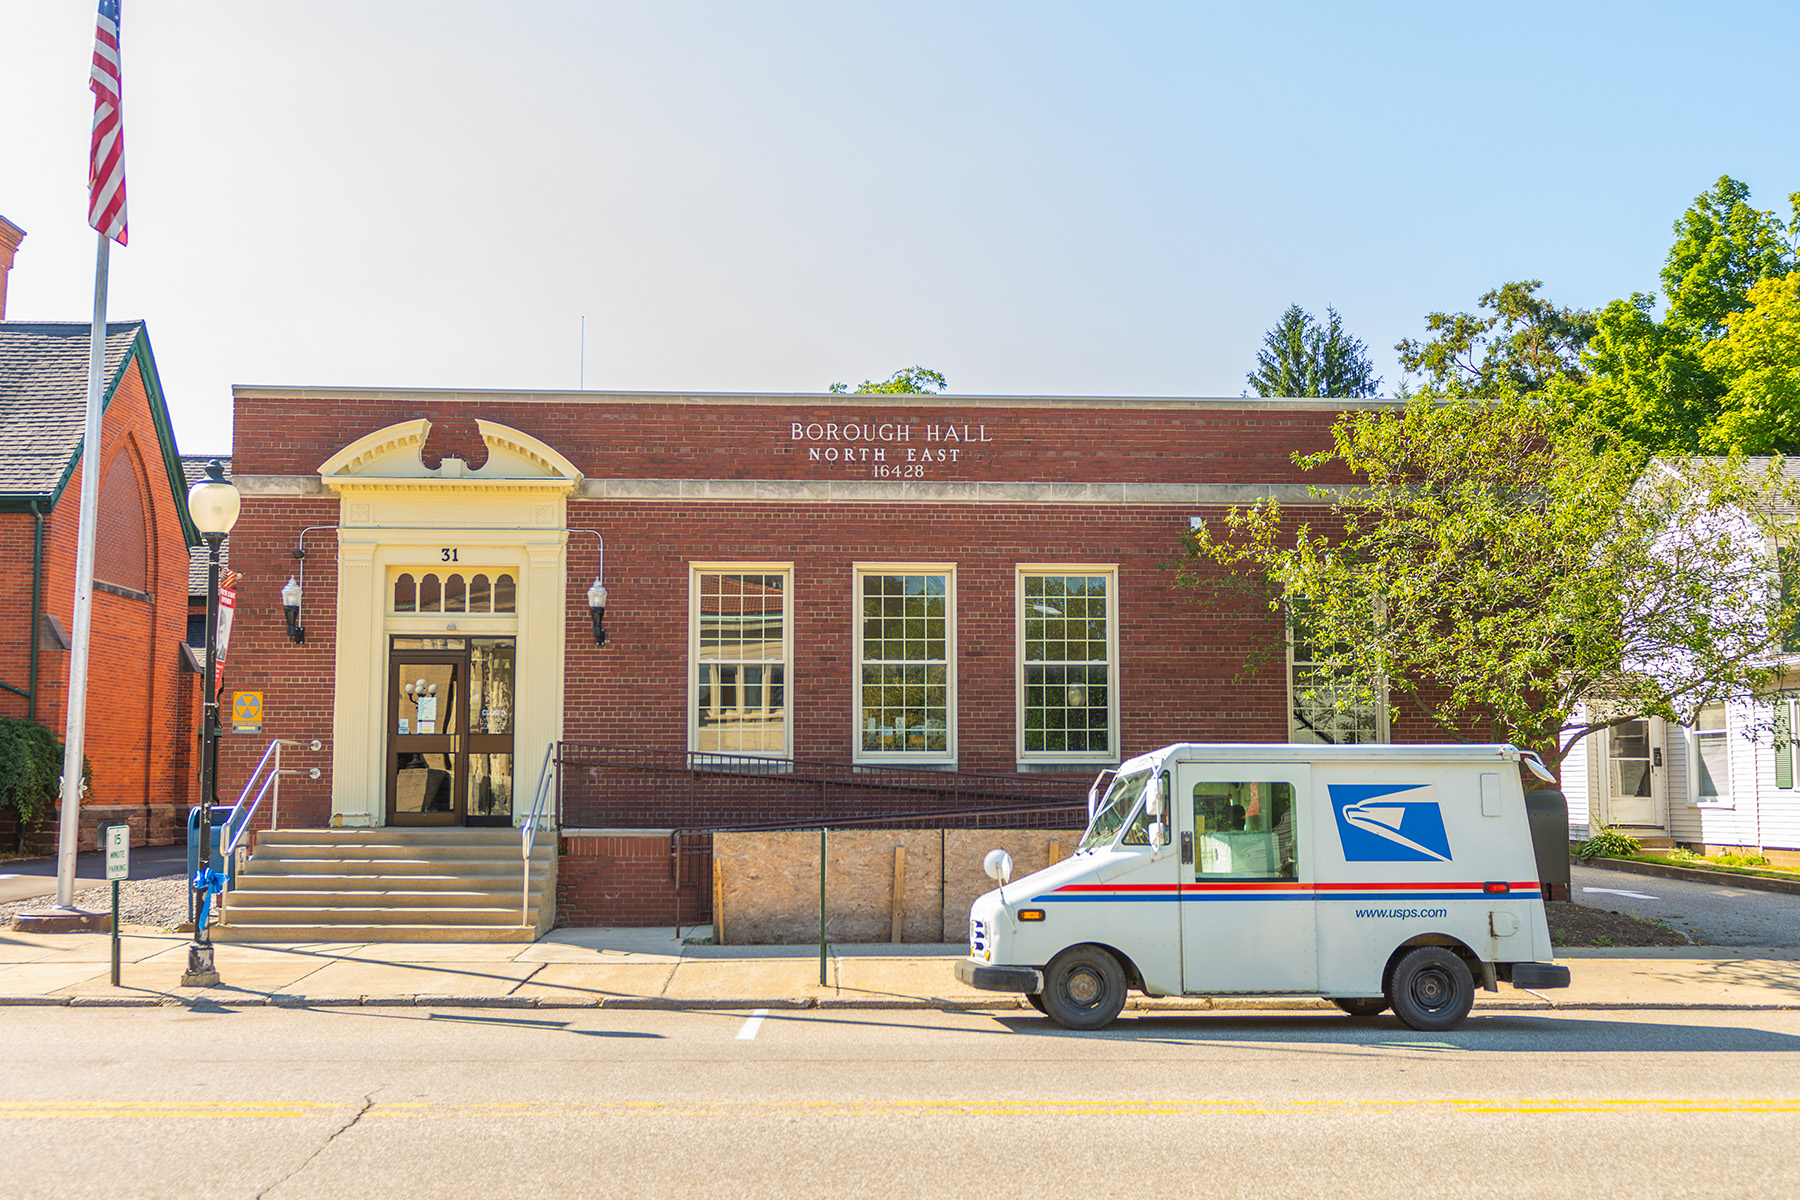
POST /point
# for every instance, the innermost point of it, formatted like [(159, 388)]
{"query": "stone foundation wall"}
[(766, 885)]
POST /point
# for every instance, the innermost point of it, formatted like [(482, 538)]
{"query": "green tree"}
[(1507, 570), (1656, 379), (1523, 345), (1723, 248), (919, 381), (1759, 356), (1301, 357)]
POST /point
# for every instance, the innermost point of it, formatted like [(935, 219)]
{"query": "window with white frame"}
[(740, 616), (1712, 767), (906, 648), (1068, 654), (1324, 706)]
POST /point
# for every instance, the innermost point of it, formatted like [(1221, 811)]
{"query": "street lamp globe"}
[(213, 503)]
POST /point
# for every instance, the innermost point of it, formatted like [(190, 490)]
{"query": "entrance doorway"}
[(1635, 778), (450, 731)]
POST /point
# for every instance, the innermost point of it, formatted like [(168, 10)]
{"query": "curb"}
[(657, 1004), (1691, 875)]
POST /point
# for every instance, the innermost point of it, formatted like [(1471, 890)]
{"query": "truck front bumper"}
[(1539, 975), (1000, 979)]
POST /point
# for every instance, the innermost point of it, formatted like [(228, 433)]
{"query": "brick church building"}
[(144, 698)]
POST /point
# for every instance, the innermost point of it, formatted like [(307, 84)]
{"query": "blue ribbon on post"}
[(210, 883)]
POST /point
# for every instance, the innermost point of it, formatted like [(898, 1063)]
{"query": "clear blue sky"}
[(1104, 199)]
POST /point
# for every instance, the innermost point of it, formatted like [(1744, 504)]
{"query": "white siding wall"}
[(1684, 821), (1751, 785), (1780, 806), (1576, 787)]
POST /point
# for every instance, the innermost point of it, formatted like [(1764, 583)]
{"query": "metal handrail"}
[(528, 834), (241, 825)]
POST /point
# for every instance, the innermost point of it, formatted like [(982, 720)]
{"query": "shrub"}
[(31, 763), (1610, 842), (1732, 858)]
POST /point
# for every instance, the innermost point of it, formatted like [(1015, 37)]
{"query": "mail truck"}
[(1380, 877)]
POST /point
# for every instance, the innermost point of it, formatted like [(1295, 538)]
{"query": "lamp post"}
[(213, 504)]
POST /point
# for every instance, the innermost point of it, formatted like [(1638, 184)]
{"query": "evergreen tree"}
[(1301, 357)]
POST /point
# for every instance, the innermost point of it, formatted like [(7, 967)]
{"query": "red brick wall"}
[(296, 681), (620, 881), (137, 724), (698, 439)]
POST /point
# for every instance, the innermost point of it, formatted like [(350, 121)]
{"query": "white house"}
[(1728, 781)]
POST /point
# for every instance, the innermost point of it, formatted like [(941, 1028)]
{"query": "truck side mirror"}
[(1159, 834), (998, 865), (1156, 804)]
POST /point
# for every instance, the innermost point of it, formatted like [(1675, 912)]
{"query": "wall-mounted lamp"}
[(597, 610), (290, 608)]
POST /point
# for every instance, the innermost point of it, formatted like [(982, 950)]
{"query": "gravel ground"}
[(160, 903)]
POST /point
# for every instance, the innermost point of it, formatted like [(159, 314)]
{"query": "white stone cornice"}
[(815, 491)]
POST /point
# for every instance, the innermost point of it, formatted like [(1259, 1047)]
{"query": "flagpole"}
[(75, 726)]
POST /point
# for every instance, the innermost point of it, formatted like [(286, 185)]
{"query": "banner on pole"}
[(227, 605)]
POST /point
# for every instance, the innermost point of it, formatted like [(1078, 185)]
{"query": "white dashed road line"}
[(751, 1025)]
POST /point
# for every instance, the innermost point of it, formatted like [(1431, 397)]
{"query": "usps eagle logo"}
[(1390, 822)]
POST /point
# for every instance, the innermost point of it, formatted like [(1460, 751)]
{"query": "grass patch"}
[(1696, 863)]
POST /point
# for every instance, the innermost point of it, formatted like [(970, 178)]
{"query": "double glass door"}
[(450, 731)]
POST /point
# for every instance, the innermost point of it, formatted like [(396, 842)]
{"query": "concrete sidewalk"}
[(649, 968)]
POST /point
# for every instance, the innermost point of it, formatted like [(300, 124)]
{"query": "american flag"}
[(106, 155)]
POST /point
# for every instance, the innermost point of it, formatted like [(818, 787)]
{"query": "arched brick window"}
[(122, 550)]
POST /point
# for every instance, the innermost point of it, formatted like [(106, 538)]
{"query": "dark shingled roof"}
[(43, 397), (193, 470)]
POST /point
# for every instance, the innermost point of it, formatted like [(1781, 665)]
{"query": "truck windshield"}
[(1115, 810)]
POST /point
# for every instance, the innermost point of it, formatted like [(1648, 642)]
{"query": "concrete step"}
[(346, 915), (375, 933), (374, 851), (500, 867), (457, 835), (417, 888), (377, 896), (402, 884)]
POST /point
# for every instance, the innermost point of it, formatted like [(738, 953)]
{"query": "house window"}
[(1068, 648), (906, 637), (1326, 707), (1712, 769), (741, 655)]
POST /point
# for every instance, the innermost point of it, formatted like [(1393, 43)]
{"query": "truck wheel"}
[(1361, 1006), (1432, 989), (1084, 988), (1036, 1001)]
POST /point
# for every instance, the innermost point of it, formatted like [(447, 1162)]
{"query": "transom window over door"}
[(741, 657), (906, 642), (1068, 650), (454, 592)]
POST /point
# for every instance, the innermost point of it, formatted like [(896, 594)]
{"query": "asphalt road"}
[(358, 1103), (1717, 914)]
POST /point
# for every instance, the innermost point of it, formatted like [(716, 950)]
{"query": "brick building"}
[(966, 584), (141, 712)]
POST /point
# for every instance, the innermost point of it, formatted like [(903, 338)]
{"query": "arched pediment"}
[(396, 454)]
